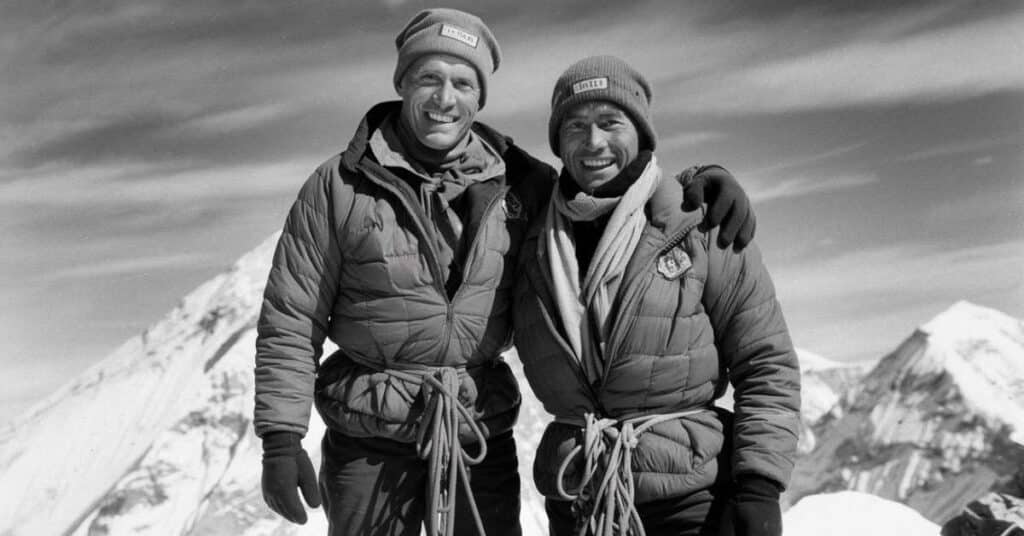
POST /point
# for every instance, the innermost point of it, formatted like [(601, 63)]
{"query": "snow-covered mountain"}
[(938, 422), (157, 438)]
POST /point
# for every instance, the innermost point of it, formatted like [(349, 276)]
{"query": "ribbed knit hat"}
[(603, 78), (448, 31)]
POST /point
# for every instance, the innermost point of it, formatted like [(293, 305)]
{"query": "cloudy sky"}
[(146, 144)]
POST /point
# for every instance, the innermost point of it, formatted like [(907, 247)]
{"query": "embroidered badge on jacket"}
[(513, 206), (674, 263)]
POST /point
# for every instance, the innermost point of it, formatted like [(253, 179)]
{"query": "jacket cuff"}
[(277, 444), (757, 486)]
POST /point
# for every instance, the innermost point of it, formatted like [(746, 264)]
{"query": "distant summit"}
[(935, 424)]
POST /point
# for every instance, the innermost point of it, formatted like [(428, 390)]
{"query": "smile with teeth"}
[(597, 163), (441, 118)]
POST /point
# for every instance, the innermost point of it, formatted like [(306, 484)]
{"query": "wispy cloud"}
[(964, 147), (862, 303), (764, 190), (682, 140), (957, 62), (124, 266), (142, 183), (805, 160), (901, 268)]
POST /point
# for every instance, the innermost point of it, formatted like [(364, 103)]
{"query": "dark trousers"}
[(697, 514), (373, 486)]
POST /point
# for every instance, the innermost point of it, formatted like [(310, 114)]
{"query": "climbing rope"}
[(437, 442), (603, 497)]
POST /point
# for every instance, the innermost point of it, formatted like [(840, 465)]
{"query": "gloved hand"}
[(286, 466), (755, 508), (728, 206)]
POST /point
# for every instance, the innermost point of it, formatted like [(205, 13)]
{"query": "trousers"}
[(376, 487)]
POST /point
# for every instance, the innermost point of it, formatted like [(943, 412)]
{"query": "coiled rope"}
[(603, 497), (437, 442)]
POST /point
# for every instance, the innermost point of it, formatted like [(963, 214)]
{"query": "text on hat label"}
[(590, 84), (459, 34)]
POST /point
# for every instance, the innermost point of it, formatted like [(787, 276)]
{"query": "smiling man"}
[(401, 250), (630, 324)]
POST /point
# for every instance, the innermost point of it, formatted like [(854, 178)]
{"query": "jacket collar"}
[(357, 147)]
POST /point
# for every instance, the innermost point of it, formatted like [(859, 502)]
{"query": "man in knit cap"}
[(629, 325), (401, 251)]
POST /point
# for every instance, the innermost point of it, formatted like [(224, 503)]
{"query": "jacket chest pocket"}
[(670, 313)]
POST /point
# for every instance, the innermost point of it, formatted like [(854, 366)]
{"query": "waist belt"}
[(437, 442), (603, 498)]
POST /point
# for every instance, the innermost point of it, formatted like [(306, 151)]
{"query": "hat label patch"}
[(590, 84), (674, 263), (459, 34)]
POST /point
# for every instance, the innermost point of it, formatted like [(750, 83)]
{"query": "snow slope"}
[(850, 513)]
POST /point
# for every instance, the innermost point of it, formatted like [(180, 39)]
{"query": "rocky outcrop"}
[(995, 514)]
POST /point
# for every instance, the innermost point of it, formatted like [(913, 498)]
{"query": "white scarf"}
[(602, 280)]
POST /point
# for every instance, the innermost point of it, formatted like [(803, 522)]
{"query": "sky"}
[(145, 145)]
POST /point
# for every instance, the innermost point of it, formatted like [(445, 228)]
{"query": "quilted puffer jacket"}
[(355, 263), (687, 318)]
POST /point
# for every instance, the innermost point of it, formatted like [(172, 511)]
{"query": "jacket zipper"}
[(449, 317), (419, 217)]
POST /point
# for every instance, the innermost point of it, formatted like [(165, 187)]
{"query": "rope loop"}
[(437, 442), (603, 498)]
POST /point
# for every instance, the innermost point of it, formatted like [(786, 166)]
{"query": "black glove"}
[(755, 508), (286, 466), (728, 206)]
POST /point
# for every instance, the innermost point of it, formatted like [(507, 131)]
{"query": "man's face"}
[(597, 140), (440, 98)]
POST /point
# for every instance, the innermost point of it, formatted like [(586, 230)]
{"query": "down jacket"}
[(678, 332), (355, 263)]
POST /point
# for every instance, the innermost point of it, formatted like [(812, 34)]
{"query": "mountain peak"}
[(982, 350), (967, 320)]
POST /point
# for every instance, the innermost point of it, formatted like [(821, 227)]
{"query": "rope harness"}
[(603, 497), (437, 442)]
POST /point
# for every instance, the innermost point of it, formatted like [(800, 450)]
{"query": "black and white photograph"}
[(398, 268)]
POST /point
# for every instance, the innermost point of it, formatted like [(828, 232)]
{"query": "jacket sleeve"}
[(297, 302), (752, 339)]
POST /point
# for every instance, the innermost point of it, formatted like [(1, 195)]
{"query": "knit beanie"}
[(603, 78), (448, 31)]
